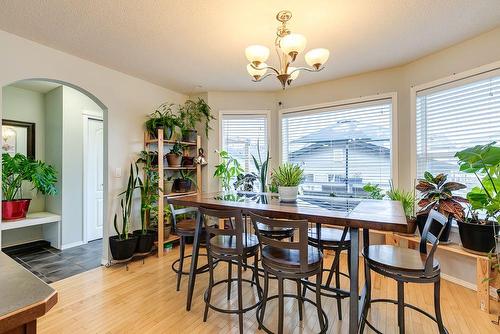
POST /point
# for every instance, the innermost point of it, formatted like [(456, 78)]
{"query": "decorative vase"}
[(122, 249), (174, 160), (288, 194), (16, 209)]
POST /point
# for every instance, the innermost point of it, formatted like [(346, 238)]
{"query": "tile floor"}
[(52, 265)]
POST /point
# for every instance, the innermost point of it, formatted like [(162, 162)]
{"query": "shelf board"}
[(175, 168), (181, 194), (171, 142), (171, 238)]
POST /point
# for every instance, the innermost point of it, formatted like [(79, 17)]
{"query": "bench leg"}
[(483, 271)]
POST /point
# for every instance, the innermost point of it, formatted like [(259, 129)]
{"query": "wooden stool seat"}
[(289, 258), (397, 258), (221, 242), (328, 235), (185, 226)]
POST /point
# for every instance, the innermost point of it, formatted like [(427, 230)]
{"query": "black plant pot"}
[(189, 136), (477, 237), (145, 241), (182, 185), (435, 227), (122, 249)]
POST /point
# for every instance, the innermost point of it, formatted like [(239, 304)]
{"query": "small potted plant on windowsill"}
[(123, 245), (287, 178), (174, 157), (478, 233), (16, 170), (436, 193), (192, 113)]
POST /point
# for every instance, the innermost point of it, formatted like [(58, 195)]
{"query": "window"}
[(241, 134), (452, 117), (343, 147)]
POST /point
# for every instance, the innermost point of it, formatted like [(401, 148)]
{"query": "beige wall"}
[(127, 100)]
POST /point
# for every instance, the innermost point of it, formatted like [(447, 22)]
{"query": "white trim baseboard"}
[(71, 245), (468, 285)]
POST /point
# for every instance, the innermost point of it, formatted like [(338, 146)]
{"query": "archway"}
[(64, 215)]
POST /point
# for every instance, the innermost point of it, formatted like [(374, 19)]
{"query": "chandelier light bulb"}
[(293, 44), (258, 72), (293, 75), (257, 54), (317, 57)]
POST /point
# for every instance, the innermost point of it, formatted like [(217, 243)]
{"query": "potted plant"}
[(174, 157), (123, 244), (187, 161), (149, 196), (185, 182), (228, 169), (191, 113), (288, 177), (162, 118), (245, 182), (436, 193), (408, 201), (168, 183), (262, 168), (478, 232), (17, 169), (167, 222)]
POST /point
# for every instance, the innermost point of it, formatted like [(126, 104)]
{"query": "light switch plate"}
[(118, 172)]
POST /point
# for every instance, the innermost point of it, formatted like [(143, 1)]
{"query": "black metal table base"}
[(392, 301), (288, 295)]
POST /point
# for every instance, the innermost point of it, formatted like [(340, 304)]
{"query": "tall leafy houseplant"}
[(483, 161), (18, 169), (163, 117), (228, 169), (287, 178), (262, 167), (192, 113), (148, 188), (123, 245)]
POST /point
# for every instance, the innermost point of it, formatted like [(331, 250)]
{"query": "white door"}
[(94, 179)]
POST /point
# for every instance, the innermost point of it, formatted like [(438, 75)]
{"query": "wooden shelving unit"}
[(162, 146)]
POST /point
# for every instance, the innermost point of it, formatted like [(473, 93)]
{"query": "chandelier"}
[(288, 45)]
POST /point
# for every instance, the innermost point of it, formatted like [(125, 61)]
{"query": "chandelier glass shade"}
[(288, 45)]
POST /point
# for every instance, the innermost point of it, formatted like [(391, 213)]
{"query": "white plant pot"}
[(288, 194)]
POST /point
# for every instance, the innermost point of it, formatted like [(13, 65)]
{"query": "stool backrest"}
[(233, 232), (429, 237), (301, 245)]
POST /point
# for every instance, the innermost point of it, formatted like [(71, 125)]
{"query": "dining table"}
[(323, 211)]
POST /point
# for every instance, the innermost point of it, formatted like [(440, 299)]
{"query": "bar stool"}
[(406, 265), (337, 241), (288, 260), (230, 245), (184, 228)]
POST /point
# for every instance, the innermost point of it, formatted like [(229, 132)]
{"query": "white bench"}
[(51, 226)]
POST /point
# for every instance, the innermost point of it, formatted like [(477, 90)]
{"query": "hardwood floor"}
[(143, 300)]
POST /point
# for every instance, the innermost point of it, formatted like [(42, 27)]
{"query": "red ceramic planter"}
[(16, 209)]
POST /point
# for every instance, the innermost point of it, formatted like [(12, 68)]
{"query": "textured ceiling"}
[(192, 46)]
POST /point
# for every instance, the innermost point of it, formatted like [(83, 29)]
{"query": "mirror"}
[(18, 137)]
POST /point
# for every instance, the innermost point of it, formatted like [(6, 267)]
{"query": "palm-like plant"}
[(437, 193), (19, 168), (148, 187), (288, 175)]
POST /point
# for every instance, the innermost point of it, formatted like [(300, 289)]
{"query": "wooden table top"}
[(384, 215), (23, 296)]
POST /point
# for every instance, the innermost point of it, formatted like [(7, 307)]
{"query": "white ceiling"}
[(192, 46)]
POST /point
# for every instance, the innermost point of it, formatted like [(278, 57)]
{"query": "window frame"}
[(313, 109), (245, 113), (454, 80)]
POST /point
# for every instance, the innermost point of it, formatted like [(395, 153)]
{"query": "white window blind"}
[(241, 134), (340, 148), (453, 117)]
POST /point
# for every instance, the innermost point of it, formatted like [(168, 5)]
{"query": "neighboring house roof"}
[(361, 145)]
